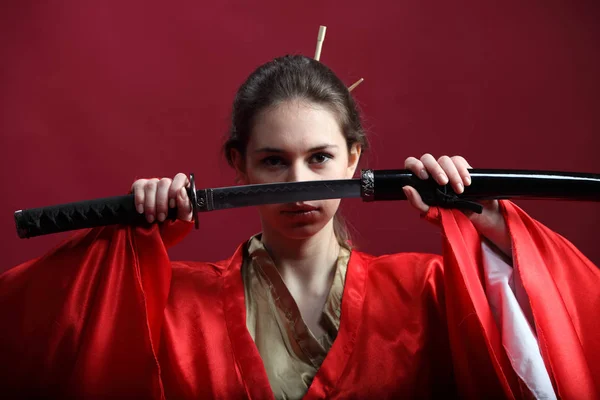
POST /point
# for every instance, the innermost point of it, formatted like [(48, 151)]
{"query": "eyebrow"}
[(275, 150)]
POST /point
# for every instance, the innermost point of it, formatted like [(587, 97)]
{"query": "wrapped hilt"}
[(80, 215), (90, 214)]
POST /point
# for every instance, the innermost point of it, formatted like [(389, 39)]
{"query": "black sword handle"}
[(80, 215), (90, 214)]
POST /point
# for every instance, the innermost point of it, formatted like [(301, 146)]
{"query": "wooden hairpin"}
[(320, 40), (355, 84)]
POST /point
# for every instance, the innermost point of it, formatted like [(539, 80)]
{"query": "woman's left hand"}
[(455, 171)]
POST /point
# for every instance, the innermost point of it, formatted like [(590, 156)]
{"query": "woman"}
[(296, 311)]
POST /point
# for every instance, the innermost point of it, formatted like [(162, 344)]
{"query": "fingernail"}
[(468, 179), (182, 193), (406, 192), (423, 174), (443, 178), (150, 218), (172, 203), (140, 208), (460, 187), (161, 217)]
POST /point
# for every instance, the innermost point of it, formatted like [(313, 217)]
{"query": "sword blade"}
[(274, 193)]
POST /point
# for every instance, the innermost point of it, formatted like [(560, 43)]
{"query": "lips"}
[(299, 209)]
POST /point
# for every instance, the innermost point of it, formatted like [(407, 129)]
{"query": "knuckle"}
[(164, 182), (138, 195), (138, 185), (150, 183)]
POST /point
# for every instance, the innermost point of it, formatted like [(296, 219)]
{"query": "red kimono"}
[(107, 314)]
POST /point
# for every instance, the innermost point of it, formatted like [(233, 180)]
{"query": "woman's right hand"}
[(154, 197)]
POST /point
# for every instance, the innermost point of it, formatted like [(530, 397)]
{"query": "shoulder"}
[(190, 278), (201, 274), (197, 269), (399, 261), (206, 269), (407, 269)]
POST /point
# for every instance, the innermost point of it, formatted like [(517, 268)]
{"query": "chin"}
[(298, 221), (301, 232)]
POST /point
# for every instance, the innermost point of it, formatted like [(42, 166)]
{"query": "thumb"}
[(184, 206)]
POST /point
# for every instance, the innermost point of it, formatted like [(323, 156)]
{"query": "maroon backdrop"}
[(93, 96)]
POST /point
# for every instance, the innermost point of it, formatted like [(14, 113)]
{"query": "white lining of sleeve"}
[(510, 306)]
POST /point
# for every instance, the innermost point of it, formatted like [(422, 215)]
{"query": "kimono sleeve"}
[(84, 320), (563, 291)]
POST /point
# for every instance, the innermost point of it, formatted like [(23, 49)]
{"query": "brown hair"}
[(294, 77)]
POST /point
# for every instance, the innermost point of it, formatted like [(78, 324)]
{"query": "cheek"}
[(341, 168), (256, 175), (330, 206)]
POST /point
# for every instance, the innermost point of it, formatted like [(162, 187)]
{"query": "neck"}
[(308, 261)]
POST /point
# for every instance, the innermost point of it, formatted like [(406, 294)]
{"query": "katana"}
[(373, 185)]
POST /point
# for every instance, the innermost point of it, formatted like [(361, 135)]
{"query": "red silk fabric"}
[(107, 314)]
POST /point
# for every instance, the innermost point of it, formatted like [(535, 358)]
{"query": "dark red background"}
[(95, 95)]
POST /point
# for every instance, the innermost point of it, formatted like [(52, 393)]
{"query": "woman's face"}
[(297, 141)]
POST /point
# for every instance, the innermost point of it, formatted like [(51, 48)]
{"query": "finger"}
[(184, 206), (138, 194), (463, 169), (180, 180), (150, 199), (434, 169), (162, 199), (416, 166), (414, 198), (452, 173)]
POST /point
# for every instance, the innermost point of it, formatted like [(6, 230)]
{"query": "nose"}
[(299, 172)]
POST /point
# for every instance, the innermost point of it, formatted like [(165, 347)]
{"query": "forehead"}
[(296, 125)]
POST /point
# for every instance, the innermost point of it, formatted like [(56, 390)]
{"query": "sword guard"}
[(367, 185), (194, 199)]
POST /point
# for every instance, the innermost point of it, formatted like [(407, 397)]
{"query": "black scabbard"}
[(488, 184)]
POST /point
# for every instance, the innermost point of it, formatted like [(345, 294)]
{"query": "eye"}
[(273, 161), (320, 158)]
